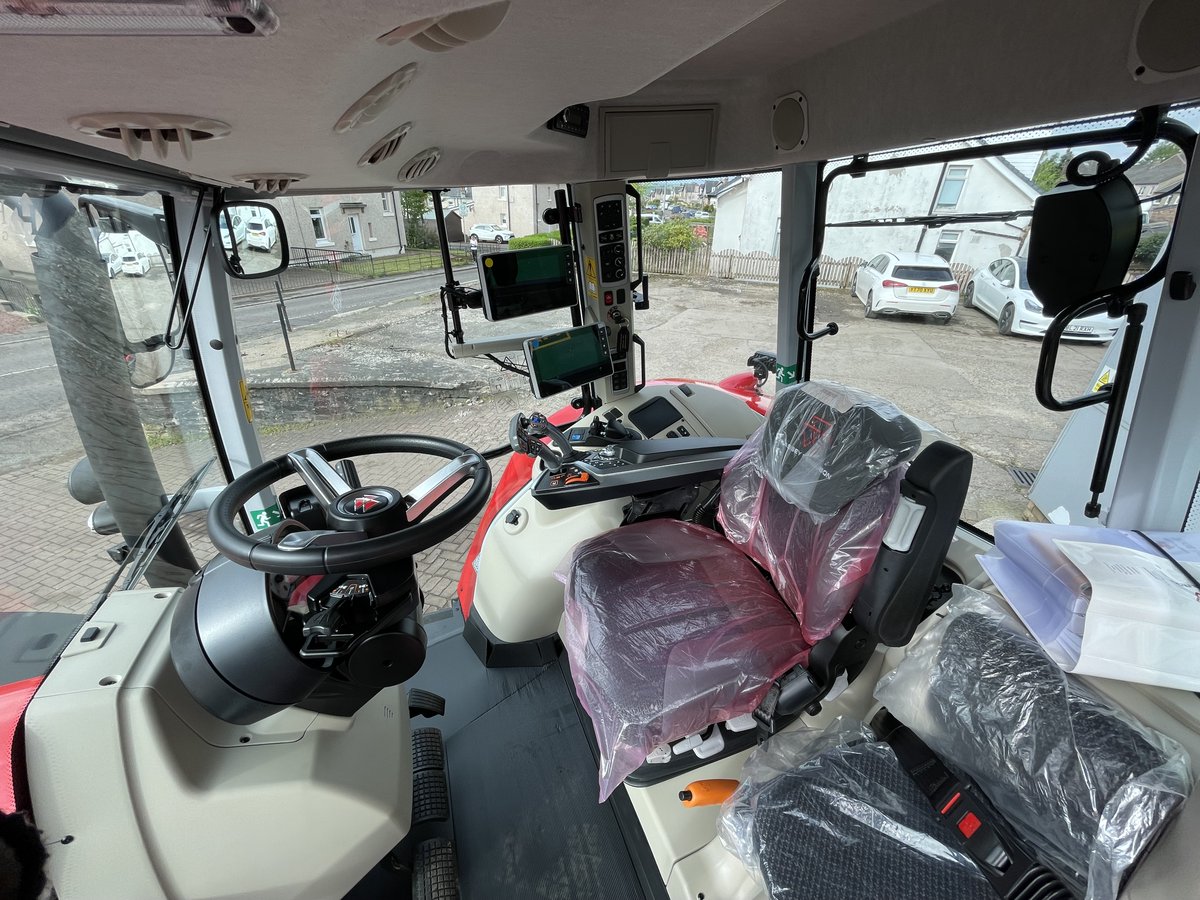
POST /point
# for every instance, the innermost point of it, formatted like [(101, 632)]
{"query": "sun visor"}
[(1081, 241)]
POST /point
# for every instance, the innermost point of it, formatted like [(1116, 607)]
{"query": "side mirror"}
[(251, 237)]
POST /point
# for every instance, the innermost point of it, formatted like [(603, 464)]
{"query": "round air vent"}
[(420, 165), (442, 33), (1164, 41), (385, 148), (270, 182), (789, 121), (159, 130), (370, 106)]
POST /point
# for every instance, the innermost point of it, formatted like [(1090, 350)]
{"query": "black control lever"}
[(526, 435)]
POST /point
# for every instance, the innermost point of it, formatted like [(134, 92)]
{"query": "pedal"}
[(425, 703), (431, 797), (435, 871), (428, 751)]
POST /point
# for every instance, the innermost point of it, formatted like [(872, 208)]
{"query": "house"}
[(455, 233), (1161, 180), (748, 218), (363, 223), (517, 207)]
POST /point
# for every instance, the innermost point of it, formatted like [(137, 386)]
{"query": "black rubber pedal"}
[(435, 871), (425, 703), (428, 751), (431, 797)]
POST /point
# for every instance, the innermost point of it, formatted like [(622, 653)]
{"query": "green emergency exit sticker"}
[(265, 518), (785, 375)]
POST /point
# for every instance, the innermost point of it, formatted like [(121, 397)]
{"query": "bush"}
[(1148, 247), (525, 241), (674, 235)]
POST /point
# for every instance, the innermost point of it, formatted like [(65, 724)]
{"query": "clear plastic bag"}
[(812, 507), (1091, 786), (669, 628), (833, 814)]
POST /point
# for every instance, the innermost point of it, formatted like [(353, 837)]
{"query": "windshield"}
[(102, 419), (1022, 277)]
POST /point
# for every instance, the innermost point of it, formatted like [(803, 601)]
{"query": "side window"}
[(996, 267), (1007, 273)]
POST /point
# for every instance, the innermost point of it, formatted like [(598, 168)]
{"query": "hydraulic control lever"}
[(527, 435)]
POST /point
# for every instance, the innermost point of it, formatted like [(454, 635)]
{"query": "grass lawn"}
[(415, 261)]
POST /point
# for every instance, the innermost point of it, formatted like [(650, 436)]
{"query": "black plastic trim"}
[(497, 654)]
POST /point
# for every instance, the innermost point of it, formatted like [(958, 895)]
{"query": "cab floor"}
[(523, 783)]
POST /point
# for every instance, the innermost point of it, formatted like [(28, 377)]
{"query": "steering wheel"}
[(392, 524)]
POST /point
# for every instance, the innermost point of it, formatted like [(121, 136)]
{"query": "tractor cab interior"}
[(663, 635)]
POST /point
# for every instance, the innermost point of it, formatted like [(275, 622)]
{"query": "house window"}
[(370, 231), (504, 192), (317, 216), (503, 220), (952, 187), (387, 204), (947, 241)]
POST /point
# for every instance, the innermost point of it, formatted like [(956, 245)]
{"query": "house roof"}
[(1157, 172)]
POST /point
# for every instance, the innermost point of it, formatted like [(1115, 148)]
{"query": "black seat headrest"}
[(824, 443)]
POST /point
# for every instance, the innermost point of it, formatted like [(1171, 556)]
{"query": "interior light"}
[(137, 17)]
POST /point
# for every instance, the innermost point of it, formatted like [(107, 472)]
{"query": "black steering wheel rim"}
[(350, 557)]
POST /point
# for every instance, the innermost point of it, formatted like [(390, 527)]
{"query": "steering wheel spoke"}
[(425, 497), (323, 480)]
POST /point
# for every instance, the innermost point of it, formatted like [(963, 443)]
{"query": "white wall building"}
[(748, 212)]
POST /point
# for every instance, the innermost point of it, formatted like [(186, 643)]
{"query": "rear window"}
[(256, 226), (129, 258), (923, 273)]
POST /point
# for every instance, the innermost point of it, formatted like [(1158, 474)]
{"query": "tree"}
[(1160, 151), (413, 205), (1148, 247), (1049, 171), (674, 235)]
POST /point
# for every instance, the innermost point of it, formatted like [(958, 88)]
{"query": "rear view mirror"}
[(252, 239)]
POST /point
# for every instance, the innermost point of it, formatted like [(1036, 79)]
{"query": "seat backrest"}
[(811, 494)]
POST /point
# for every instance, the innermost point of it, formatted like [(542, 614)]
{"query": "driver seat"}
[(671, 627)]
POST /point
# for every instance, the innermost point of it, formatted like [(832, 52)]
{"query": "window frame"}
[(316, 218), (949, 177)]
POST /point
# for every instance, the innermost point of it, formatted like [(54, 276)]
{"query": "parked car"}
[(135, 262), (239, 229), (261, 234), (492, 233), (112, 263), (1001, 290), (915, 283)]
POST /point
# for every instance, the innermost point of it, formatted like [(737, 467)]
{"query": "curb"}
[(270, 296)]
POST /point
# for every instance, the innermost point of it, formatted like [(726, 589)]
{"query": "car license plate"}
[(1078, 329), (920, 290)]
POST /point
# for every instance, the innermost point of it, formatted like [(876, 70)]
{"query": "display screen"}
[(567, 359), (655, 416), (524, 282)]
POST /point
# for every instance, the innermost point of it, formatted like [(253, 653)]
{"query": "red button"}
[(969, 824), (608, 298)]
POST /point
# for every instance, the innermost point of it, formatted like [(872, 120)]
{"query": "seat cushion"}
[(669, 628), (831, 815)]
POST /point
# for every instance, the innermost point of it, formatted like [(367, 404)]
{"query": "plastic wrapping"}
[(669, 628), (833, 814), (817, 552), (1091, 786)]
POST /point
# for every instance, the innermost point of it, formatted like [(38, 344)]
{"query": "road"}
[(36, 422)]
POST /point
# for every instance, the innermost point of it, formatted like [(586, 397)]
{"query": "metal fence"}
[(758, 266), (318, 267), (17, 296)]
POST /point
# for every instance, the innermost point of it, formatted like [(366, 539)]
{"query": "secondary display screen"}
[(524, 282), (567, 359)]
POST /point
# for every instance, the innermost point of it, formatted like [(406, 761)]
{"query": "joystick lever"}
[(527, 435)]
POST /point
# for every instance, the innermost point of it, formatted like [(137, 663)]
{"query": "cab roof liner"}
[(874, 74)]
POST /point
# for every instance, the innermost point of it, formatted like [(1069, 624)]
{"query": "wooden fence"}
[(758, 266)]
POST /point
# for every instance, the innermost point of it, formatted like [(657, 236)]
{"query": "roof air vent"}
[(228, 18), (420, 165), (270, 182), (370, 106), (385, 148), (159, 130), (442, 33)]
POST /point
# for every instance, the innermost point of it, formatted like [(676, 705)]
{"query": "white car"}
[(135, 262), (1001, 290), (915, 283), (239, 229), (492, 233), (261, 234)]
